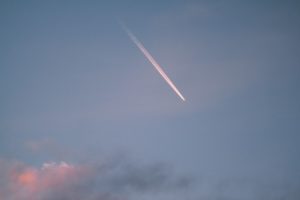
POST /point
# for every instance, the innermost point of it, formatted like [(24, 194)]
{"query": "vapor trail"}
[(152, 61)]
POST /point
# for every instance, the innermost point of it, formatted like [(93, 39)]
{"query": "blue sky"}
[(75, 89)]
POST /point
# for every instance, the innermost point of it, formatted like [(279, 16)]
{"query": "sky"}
[(84, 115)]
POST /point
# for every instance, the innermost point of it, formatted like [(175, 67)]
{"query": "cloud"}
[(119, 179), (20, 181), (110, 180)]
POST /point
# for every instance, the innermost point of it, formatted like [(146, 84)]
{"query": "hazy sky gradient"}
[(74, 88)]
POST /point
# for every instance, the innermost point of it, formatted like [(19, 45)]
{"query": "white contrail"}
[(152, 61)]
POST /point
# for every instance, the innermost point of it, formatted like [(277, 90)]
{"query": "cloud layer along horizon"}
[(111, 180)]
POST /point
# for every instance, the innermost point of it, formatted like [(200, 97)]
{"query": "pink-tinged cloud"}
[(105, 181), (25, 182), (28, 178)]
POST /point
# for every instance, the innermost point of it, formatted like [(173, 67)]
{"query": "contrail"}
[(152, 61)]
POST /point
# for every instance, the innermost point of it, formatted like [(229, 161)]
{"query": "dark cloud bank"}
[(111, 180), (124, 179)]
